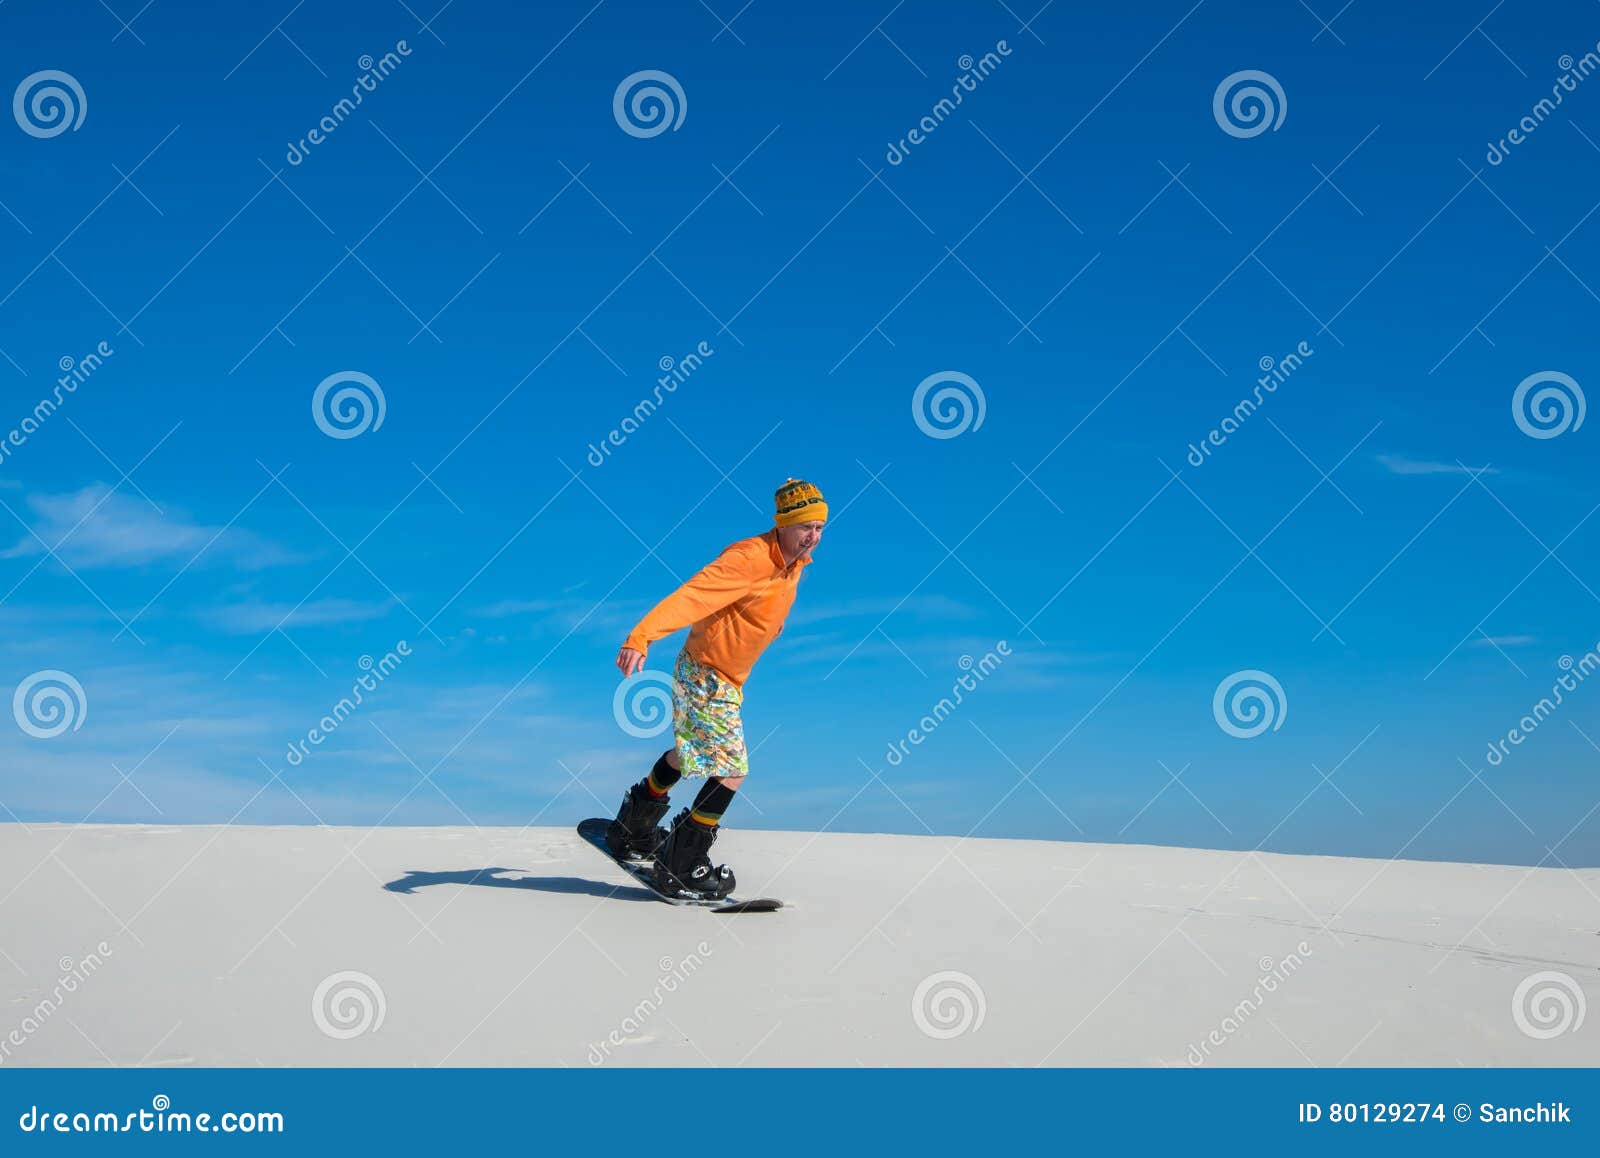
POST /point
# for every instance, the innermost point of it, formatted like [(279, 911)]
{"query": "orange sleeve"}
[(726, 578)]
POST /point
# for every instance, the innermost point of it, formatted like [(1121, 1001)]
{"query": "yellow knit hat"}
[(799, 502)]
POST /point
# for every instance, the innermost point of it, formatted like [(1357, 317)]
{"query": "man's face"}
[(799, 540)]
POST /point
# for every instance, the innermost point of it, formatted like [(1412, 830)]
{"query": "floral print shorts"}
[(706, 721)]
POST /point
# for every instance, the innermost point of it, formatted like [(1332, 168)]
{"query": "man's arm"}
[(725, 579)]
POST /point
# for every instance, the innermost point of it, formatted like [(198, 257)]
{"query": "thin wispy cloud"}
[(1503, 641), (1402, 464), (508, 607), (97, 528), (257, 616), (565, 614)]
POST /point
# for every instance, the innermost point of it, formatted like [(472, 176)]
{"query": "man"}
[(733, 608)]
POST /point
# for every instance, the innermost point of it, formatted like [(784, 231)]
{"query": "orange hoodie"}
[(733, 607)]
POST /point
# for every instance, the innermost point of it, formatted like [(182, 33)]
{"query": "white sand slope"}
[(217, 939)]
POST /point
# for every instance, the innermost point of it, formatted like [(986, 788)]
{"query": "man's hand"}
[(629, 661)]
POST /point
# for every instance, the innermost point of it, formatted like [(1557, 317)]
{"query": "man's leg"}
[(636, 829), (666, 773), (713, 800), (710, 735)]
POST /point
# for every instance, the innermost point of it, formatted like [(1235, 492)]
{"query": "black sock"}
[(662, 777), (711, 802)]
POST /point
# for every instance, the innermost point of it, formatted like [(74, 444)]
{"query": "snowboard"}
[(593, 830)]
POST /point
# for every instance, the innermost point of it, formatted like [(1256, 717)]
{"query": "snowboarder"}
[(734, 607)]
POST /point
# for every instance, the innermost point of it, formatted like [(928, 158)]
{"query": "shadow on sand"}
[(416, 879)]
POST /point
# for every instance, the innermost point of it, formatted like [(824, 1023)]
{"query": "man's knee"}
[(672, 759), (733, 782)]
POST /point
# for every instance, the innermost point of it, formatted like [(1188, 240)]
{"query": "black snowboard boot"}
[(636, 832), (682, 865)]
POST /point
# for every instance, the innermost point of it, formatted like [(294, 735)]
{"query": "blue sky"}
[(1081, 237)]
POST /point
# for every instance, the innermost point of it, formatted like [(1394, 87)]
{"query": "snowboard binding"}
[(682, 867), (636, 832)]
